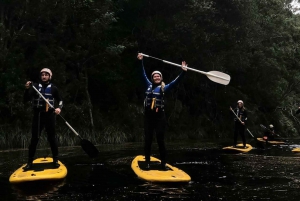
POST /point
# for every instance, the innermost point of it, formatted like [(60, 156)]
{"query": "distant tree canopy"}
[(91, 47)]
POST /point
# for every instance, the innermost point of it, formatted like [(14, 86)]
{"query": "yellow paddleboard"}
[(155, 174), (42, 169), (296, 150), (238, 148), (270, 142)]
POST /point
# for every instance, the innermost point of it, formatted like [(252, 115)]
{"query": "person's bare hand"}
[(140, 56), (27, 85), (184, 65), (57, 111)]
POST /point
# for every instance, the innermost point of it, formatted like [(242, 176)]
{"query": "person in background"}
[(43, 115), (269, 134), (239, 124), (154, 112)]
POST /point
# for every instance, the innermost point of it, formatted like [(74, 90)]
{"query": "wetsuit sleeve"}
[(57, 96), (245, 116), (143, 72), (29, 93), (175, 81)]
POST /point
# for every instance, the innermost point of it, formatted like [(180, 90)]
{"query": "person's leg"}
[(36, 128), (51, 136), (148, 134), (160, 137), (242, 133), (235, 134)]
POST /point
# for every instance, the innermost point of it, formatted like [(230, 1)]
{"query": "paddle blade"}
[(89, 148), (218, 77)]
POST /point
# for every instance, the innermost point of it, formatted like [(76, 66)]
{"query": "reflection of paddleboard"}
[(155, 173), (238, 148), (270, 142), (296, 150), (42, 169)]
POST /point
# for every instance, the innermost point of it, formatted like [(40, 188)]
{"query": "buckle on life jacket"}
[(47, 106), (153, 104)]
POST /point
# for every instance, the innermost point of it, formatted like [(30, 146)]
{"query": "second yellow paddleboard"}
[(239, 148), (171, 174)]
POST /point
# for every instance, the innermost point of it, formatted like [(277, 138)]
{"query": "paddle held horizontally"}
[(214, 76)]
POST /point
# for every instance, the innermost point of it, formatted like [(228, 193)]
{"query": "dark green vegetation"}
[(91, 47)]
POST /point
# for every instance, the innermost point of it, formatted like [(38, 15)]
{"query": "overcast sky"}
[(296, 6)]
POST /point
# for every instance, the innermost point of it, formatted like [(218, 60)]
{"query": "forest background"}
[(91, 48)]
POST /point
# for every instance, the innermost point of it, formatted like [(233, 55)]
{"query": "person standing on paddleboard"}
[(239, 124), (43, 115), (154, 118)]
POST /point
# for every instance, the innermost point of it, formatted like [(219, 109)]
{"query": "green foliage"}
[(91, 48)]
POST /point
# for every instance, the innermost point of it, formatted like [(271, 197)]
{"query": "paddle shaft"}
[(241, 122), (41, 95), (192, 69)]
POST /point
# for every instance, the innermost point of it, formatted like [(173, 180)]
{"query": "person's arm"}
[(29, 91), (145, 78), (58, 98), (143, 72), (245, 116), (178, 79)]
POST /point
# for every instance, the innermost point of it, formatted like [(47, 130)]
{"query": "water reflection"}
[(270, 173), (38, 190)]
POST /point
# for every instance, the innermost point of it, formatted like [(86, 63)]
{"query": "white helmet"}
[(156, 72), (240, 101), (47, 70)]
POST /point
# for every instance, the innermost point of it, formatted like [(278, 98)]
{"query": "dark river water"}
[(272, 173)]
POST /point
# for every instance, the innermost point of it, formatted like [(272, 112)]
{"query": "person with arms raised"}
[(154, 110)]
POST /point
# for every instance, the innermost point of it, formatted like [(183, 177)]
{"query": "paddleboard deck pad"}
[(238, 149), (42, 169), (270, 142), (156, 173)]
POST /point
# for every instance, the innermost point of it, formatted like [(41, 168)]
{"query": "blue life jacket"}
[(154, 98), (46, 92)]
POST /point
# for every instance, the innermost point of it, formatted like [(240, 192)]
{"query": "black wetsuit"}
[(155, 118), (42, 118), (239, 129)]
